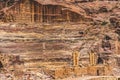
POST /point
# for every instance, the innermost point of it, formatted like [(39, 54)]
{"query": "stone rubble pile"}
[(25, 76)]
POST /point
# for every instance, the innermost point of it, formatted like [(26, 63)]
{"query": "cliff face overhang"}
[(83, 9), (80, 7), (69, 6)]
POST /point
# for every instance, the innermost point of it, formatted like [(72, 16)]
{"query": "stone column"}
[(75, 58), (92, 58)]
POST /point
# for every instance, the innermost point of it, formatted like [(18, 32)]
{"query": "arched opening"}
[(98, 72), (99, 60), (1, 65), (118, 78), (103, 9), (106, 45)]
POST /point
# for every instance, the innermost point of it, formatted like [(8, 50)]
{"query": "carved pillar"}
[(75, 58), (92, 58)]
